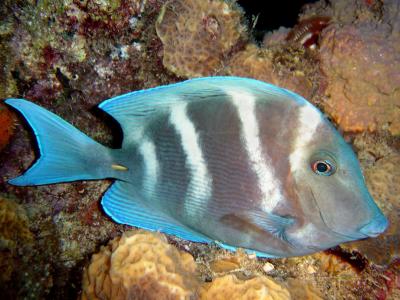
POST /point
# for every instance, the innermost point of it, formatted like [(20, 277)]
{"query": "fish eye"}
[(323, 167)]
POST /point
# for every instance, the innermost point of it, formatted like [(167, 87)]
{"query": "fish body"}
[(219, 159)]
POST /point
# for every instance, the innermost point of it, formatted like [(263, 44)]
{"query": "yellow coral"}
[(225, 265), (142, 265), (197, 34), (230, 287), (303, 290), (139, 265)]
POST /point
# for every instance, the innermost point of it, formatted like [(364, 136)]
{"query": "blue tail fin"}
[(66, 154)]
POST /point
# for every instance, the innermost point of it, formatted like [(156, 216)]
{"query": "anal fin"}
[(124, 206)]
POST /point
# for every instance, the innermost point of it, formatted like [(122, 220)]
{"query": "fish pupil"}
[(322, 167)]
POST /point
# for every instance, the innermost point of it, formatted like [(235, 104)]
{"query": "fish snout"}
[(377, 226)]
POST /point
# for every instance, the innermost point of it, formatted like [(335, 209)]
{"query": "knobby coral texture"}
[(142, 265), (198, 35), (69, 55)]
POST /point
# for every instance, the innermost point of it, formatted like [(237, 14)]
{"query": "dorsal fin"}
[(133, 109)]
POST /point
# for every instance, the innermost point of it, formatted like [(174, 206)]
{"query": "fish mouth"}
[(376, 227)]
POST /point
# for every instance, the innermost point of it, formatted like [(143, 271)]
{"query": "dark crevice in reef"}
[(272, 14)]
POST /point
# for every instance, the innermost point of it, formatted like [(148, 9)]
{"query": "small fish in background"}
[(219, 159), (307, 31)]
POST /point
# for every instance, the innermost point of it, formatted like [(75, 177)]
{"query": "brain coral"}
[(362, 66), (197, 34), (139, 265), (230, 287)]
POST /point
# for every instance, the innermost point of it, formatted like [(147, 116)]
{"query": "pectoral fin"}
[(258, 221)]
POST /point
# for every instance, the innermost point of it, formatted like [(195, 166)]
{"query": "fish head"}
[(335, 201)]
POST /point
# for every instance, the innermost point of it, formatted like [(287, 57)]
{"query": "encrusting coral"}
[(360, 57), (139, 265), (14, 234), (361, 64), (300, 289), (6, 125), (196, 35), (289, 69), (252, 62), (13, 221), (230, 287)]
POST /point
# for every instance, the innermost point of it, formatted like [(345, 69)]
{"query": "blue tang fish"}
[(228, 160)]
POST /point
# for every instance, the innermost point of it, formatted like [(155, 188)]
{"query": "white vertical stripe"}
[(309, 118), (151, 166), (200, 181), (259, 161)]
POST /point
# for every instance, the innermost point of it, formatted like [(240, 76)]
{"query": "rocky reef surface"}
[(69, 55)]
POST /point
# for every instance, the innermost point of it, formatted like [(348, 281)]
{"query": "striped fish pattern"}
[(228, 160)]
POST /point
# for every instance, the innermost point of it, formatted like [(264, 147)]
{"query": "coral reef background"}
[(69, 55)]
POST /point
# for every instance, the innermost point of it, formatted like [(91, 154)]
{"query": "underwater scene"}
[(199, 149)]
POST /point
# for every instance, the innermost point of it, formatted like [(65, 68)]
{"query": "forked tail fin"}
[(66, 154)]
